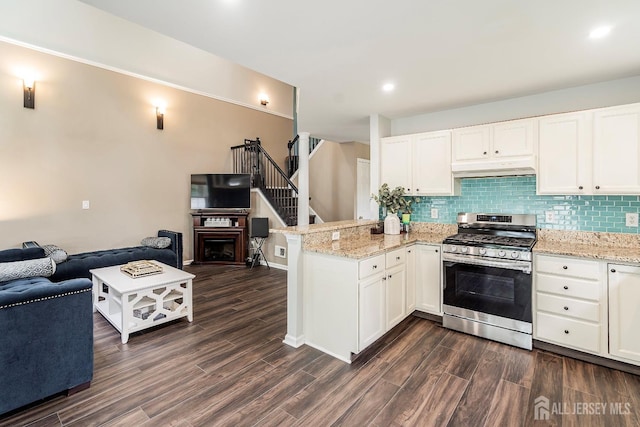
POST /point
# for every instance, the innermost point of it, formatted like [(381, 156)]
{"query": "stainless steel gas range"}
[(487, 277)]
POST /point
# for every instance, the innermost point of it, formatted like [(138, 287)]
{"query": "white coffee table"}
[(132, 305)]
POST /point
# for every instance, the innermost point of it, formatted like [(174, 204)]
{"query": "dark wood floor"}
[(229, 367)]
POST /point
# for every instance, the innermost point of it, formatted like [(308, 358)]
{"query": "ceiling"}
[(441, 54)]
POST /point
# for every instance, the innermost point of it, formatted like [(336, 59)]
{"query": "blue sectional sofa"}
[(46, 344), (78, 265)]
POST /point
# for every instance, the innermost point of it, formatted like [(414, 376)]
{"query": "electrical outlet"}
[(550, 216), (631, 219), (86, 204), (434, 212), (335, 235), (281, 252)]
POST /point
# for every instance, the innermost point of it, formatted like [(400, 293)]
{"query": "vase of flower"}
[(391, 224), (392, 202)]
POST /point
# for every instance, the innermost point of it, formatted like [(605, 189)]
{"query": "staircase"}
[(267, 176), (292, 158)]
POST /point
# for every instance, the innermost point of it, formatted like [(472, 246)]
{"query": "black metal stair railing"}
[(292, 159), (266, 175)]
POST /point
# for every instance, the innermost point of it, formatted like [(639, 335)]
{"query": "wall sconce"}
[(160, 117), (264, 99), (29, 92)]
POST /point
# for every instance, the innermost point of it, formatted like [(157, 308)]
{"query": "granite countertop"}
[(585, 250), (374, 244)]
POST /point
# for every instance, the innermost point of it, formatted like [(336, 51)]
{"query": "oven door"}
[(487, 289)]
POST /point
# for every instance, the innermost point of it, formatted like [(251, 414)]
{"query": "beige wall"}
[(261, 208), (332, 179), (93, 136)]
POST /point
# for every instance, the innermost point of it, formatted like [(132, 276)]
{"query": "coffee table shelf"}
[(134, 304)]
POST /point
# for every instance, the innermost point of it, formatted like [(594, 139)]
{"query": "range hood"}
[(525, 165)]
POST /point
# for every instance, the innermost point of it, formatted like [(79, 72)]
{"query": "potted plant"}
[(392, 202)]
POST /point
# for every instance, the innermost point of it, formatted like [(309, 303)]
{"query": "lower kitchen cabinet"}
[(570, 303), (624, 313), (349, 303), (372, 322), (427, 272)]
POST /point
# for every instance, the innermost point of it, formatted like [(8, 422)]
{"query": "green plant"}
[(394, 200)]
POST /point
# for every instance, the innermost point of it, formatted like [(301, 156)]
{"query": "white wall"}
[(614, 92), (77, 30)]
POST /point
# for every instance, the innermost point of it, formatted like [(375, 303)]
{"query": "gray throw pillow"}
[(43, 267), (156, 242), (56, 253)]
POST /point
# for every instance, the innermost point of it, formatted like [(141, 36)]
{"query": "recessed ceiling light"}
[(600, 32), (388, 87)]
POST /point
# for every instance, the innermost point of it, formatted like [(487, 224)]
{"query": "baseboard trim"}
[(292, 341), (586, 357)]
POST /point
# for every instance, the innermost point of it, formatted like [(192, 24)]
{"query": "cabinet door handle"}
[(597, 187), (497, 151), (389, 276), (408, 190), (375, 266), (417, 190), (484, 153), (566, 308), (613, 270), (397, 258), (436, 251), (384, 277), (564, 267), (566, 288), (566, 331), (409, 251), (580, 187)]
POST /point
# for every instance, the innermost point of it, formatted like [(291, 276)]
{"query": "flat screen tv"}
[(221, 191)]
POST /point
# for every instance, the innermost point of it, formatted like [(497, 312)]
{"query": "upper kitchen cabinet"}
[(505, 148), (616, 150), (590, 152), (421, 163), (564, 154), (395, 162)]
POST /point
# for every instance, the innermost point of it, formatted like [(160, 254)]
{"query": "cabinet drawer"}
[(580, 268), (570, 307), (370, 266), (568, 286), (568, 332), (395, 257)]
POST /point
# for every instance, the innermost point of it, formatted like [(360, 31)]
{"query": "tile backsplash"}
[(517, 194)]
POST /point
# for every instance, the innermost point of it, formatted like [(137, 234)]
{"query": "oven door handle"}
[(450, 259)]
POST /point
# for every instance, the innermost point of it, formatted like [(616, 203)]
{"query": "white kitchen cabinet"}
[(590, 152), (624, 315), (431, 166), (570, 303), (396, 287), (507, 146), (371, 309), (411, 279), (428, 267), (420, 163), (564, 154), (616, 150), (395, 162)]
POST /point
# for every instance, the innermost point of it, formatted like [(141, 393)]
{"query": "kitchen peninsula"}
[(347, 287)]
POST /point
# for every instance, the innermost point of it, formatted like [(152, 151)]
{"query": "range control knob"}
[(502, 253), (464, 249), (482, 251), (515, 255), (453, 248)]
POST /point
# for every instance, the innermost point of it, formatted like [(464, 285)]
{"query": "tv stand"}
[(220, 237)]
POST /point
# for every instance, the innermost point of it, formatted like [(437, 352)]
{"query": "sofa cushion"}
[(43, 267), (156, 242), (10, 255), (56, 253)]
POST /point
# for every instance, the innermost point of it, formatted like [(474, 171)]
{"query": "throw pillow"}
[(56, 253), (156, 242), (43, 267)]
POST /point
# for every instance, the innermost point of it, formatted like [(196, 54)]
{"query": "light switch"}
[(86, 204), (631, 219), (434, 212)]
